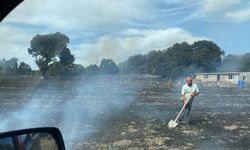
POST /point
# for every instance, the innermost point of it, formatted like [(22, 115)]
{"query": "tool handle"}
[(181, 110)]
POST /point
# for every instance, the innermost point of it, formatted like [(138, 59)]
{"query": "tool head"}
[(172, 124)]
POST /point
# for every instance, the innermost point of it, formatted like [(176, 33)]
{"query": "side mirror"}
[(48, 138)]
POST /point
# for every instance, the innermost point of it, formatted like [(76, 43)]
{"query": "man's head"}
[(189, 81)]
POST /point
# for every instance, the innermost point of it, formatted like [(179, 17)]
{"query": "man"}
[(188, 92)]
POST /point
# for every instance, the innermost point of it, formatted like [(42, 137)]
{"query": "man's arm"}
[(184, 100), (183, 93), (196, 92), (183, 97)]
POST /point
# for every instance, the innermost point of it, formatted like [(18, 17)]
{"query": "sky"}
[(117, 29)]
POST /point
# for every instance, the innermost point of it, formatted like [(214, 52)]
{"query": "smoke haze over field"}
[(123, 112), (75, 107), (133, 41)]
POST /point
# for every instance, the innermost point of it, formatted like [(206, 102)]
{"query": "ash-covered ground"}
[(126, 112)]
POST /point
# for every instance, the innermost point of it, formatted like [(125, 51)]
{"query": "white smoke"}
[(72, 106)]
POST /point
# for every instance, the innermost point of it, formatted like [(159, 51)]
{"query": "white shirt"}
[(187, 90)]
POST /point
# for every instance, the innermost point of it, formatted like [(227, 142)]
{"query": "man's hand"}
[(192, 94), (185, 102), (183, 98)]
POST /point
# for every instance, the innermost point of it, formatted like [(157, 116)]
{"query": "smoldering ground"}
[(219, 120), (128, 112), (76, 106)]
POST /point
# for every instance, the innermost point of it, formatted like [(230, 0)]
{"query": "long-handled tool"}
[(173, 124)]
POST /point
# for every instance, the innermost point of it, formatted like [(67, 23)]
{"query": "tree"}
[(2, 66), (10, 67), (123, 67), (56, 69), (24, 69), (92, 70), (156, 62), (59, 69), (181, 54), (178, 60), (206, 56), (45, 48), (43, 66), (77, 69), (65, 56), (137, 64), (245, 62), (107, 67)]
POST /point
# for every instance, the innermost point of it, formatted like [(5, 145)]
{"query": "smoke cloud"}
[(131, 42)]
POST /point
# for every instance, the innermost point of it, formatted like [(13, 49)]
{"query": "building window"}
[(244, 78), (230, 76), (205, 76)]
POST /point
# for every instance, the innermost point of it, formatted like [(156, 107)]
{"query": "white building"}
[(229, 77)]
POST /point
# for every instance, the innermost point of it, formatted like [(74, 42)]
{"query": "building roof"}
[(219, 73)]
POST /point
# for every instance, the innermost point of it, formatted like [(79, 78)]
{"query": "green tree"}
[(156, 62), (123, 67), (245, 62), (181, 59), (65, 56), (56, 69), (24, 69), (10, 67), (77, 69), (2, 68), (181, 54), (178, 58), (137, 64), (46, 47), (108, 66), (206, 56), (92, 70), (59, 69)]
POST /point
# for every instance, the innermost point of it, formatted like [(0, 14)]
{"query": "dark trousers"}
[(186, 111)]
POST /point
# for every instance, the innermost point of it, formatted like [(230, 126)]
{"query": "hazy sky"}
[(117, 29)]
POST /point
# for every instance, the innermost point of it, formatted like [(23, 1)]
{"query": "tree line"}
[(54, 58), (13, 67), (177, 60), (184, 59)]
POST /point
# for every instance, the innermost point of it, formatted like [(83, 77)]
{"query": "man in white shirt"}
[(188, 92)]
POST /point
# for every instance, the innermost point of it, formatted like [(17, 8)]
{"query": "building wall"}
[(245, 76), (199, 77), (211, 78), (205, 77), (225, 78), (222, 77)]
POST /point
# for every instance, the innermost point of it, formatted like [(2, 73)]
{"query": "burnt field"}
[(126, 112)]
